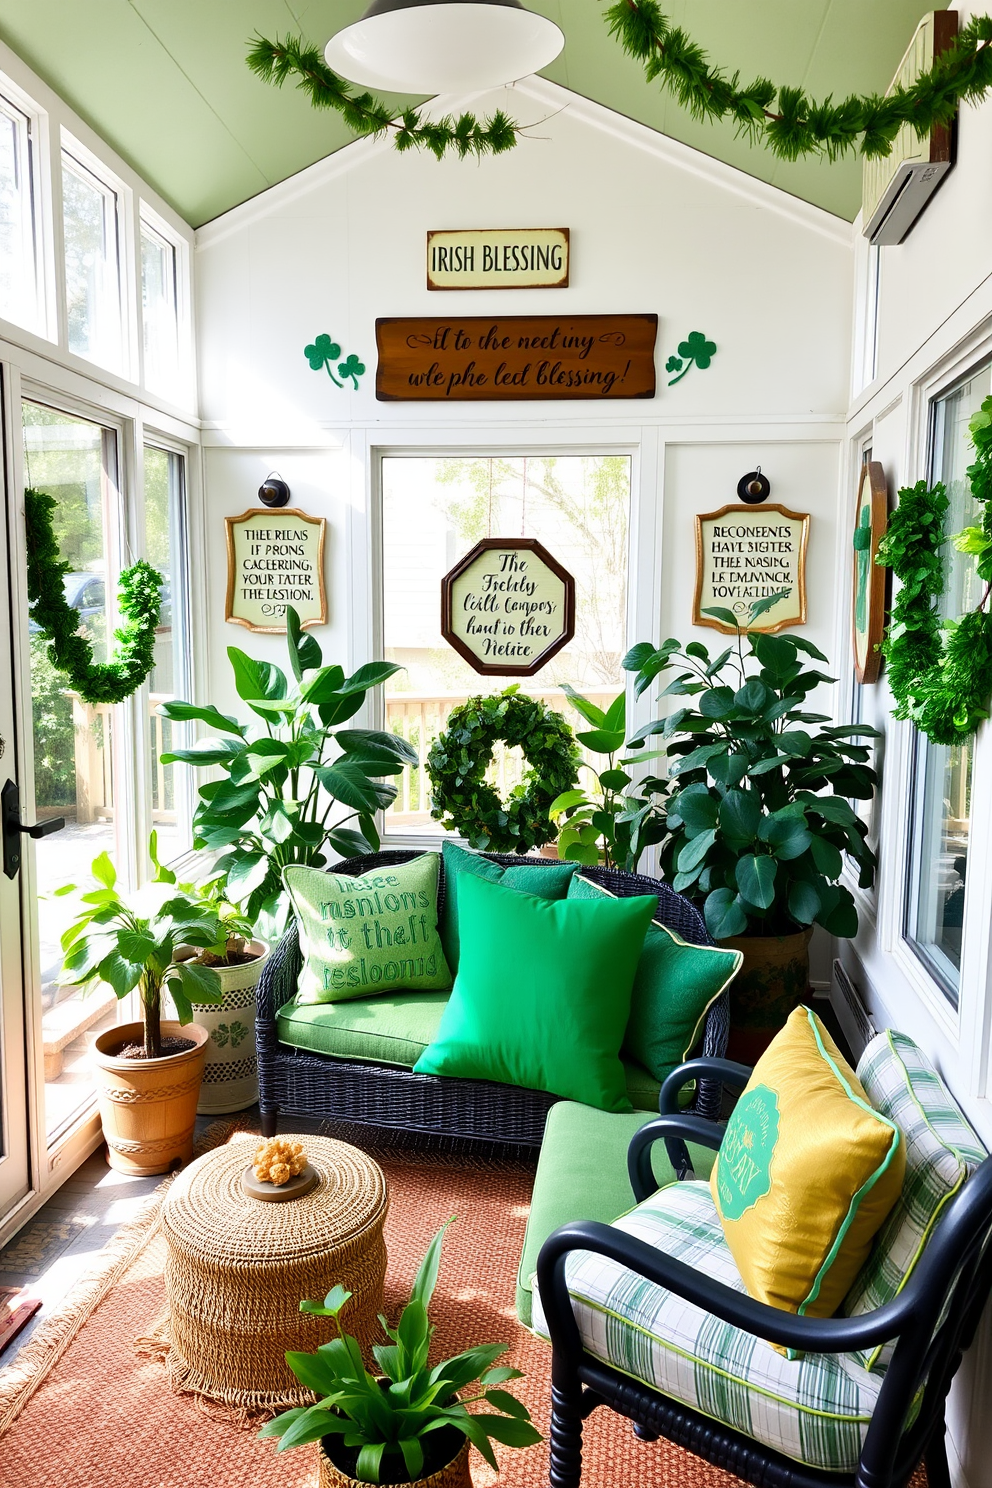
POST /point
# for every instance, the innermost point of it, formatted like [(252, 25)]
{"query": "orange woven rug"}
[(105, 1418)]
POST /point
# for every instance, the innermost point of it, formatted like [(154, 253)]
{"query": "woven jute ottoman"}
[(238, 1269)]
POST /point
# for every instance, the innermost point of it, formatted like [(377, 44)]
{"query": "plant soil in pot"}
[(230, 1076), (445, 1464), (773, 980), (148, 1106)]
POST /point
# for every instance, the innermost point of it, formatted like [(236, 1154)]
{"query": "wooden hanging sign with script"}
[(744, 553), (508, 606), (479, 358), (275, 557)]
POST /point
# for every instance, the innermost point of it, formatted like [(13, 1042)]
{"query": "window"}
[(91, 233), (159, 309), (433, 512), (941, 773), (18, 249), (166, 549)]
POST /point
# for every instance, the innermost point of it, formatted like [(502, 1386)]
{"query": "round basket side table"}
[(238, 1269)]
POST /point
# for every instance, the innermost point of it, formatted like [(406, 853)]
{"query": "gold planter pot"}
[(148, 1106), (455, 1475), (773, 980)]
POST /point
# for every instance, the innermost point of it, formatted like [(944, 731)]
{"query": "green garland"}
[(461, 798), (275, 61), (942, 685), (139, 601), (784, 118)]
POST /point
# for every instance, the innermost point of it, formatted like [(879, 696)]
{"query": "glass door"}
[(76, 746)]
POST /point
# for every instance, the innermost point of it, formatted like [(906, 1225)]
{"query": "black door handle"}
[(11, 828)]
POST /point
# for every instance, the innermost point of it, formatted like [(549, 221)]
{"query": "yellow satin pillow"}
[(806, 1173)]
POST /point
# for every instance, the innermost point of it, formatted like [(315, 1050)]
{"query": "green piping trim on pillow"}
[(673, 935), (865, 1188), (877, 1351)]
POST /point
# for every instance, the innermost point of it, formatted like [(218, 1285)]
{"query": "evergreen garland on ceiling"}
[(139, 601), (782, 118), (941, 685)]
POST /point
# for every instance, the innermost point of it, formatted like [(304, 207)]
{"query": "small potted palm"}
[(410, 1425), (148, 1073)]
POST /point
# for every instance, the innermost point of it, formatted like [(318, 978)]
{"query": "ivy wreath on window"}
[(940, 672), (464, 801), (138, 598)]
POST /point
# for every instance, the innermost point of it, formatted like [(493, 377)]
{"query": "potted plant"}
[(148, 1073), (230, 1074), (755, 818), (284, 776), (409, 1425)]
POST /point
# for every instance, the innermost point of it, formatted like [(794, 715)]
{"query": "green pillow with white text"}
[(376, 932)]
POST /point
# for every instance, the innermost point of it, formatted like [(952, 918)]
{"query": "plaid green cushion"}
[(942, 1151), (815, 1410)]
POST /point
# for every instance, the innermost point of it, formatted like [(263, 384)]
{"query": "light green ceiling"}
[(164, 81)]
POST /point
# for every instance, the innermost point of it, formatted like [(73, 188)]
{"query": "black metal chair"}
[(933, 1320), (379, 1095)]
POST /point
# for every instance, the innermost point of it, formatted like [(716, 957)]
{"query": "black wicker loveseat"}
[(328, 1088)]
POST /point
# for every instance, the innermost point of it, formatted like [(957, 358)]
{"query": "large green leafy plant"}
[(133, 942), (388, 1420), (755, 817), (295, 782)]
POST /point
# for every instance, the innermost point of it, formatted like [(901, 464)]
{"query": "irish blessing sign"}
[(508, 607), (479, 358), (503, 258), (275, 557)]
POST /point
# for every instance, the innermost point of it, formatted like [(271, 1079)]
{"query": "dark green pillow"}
[(542, 994), (674, 987), (549, 882)]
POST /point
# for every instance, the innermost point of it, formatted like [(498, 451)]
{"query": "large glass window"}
[(942, 773), (160, 309), (18, 250), (90, 215), (166, 549), (433, 512)]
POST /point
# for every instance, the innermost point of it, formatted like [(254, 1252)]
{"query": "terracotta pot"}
[(773, 980), (455, 1475), (230, 1076), (148, 1106)]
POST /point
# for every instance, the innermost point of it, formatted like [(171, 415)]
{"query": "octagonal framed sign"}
[(508, 607)]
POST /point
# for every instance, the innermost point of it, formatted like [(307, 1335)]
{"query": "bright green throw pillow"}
[(542, 995), (550, 882), (376, 932), (675, 985)]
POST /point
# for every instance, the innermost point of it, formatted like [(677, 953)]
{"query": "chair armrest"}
[(807, 1334), (724, 1071), (671, 1130)]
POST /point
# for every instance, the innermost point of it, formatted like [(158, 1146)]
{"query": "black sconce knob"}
[(753, 487), (273, 491)]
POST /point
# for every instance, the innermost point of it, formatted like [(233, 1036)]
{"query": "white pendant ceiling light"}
[(443, 46)]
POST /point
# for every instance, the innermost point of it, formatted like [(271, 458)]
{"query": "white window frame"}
[(90, 164), (44, 322), (151, 221)]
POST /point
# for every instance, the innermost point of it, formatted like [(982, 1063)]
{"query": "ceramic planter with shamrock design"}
[(230, 1078)]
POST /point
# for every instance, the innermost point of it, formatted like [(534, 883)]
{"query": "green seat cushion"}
[(373, 933), (674, 987), (542, 995), (582, 1174), (396, 1029), (547, 881)]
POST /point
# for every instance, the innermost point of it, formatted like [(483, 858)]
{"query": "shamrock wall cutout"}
[(323, 352), (695, 349)]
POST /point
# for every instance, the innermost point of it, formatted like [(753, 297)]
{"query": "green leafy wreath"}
[(139, 601), (940, 672), (783, 118), (461, 798)]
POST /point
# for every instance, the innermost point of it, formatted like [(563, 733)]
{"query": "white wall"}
[(934, 323), (655, 227)]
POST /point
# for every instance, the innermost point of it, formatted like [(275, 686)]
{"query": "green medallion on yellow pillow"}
[(806, 1173), (376, 932)]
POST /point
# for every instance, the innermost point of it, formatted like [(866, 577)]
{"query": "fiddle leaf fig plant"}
[(296, 782), (755, 816), (390, 1420)]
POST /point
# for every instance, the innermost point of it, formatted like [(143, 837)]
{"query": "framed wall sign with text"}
[(744, 553), (871, 516), (502, 258), (508, 606), (275, 558)]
